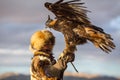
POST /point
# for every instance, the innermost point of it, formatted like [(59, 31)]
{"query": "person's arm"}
[(57, 70)]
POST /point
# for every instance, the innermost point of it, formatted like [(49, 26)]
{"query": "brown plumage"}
[(71, 19)]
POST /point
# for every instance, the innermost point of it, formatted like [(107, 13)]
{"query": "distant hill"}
[(68, 76), (84, 76)]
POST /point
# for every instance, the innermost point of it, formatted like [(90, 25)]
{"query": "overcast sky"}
[(19, 19)]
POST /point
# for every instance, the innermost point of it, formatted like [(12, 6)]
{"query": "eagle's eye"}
[(48, 5)]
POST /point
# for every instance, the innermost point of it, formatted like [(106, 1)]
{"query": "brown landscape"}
[(68, 76)]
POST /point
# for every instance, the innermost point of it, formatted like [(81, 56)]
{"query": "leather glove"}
[(69, 57)]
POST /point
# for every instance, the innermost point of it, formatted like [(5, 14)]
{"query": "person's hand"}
[(69, 57)]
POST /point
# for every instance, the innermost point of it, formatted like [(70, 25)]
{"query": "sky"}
[(19, 19)]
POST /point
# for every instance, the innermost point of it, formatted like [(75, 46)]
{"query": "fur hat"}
[(42, 39)]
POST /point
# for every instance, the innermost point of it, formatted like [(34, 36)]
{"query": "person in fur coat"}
[(43, 64)]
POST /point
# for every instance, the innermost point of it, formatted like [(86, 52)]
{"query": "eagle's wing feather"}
[(58, 1), (70, 10)]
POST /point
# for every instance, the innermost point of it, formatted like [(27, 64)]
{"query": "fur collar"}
[(45, 56)]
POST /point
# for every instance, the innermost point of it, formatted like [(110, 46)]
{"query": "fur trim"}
[(41, 38), (43, 58)]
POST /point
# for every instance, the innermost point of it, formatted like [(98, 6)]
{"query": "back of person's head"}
[(42, 40)]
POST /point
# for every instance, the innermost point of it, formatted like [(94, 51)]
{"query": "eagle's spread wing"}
[(72, 21), (70, 10)]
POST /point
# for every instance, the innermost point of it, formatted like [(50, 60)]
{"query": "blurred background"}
[(19, 19)]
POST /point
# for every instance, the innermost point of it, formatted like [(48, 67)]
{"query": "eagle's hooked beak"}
[(49, 17)]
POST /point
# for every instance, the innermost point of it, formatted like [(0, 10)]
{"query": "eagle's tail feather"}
[(100, 39)]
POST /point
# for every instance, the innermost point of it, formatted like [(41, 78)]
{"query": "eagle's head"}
[(50, 22), (47, 23)]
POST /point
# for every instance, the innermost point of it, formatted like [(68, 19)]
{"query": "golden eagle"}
[(71, 19)]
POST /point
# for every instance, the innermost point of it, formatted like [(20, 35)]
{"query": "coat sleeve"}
[(57, 70)]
